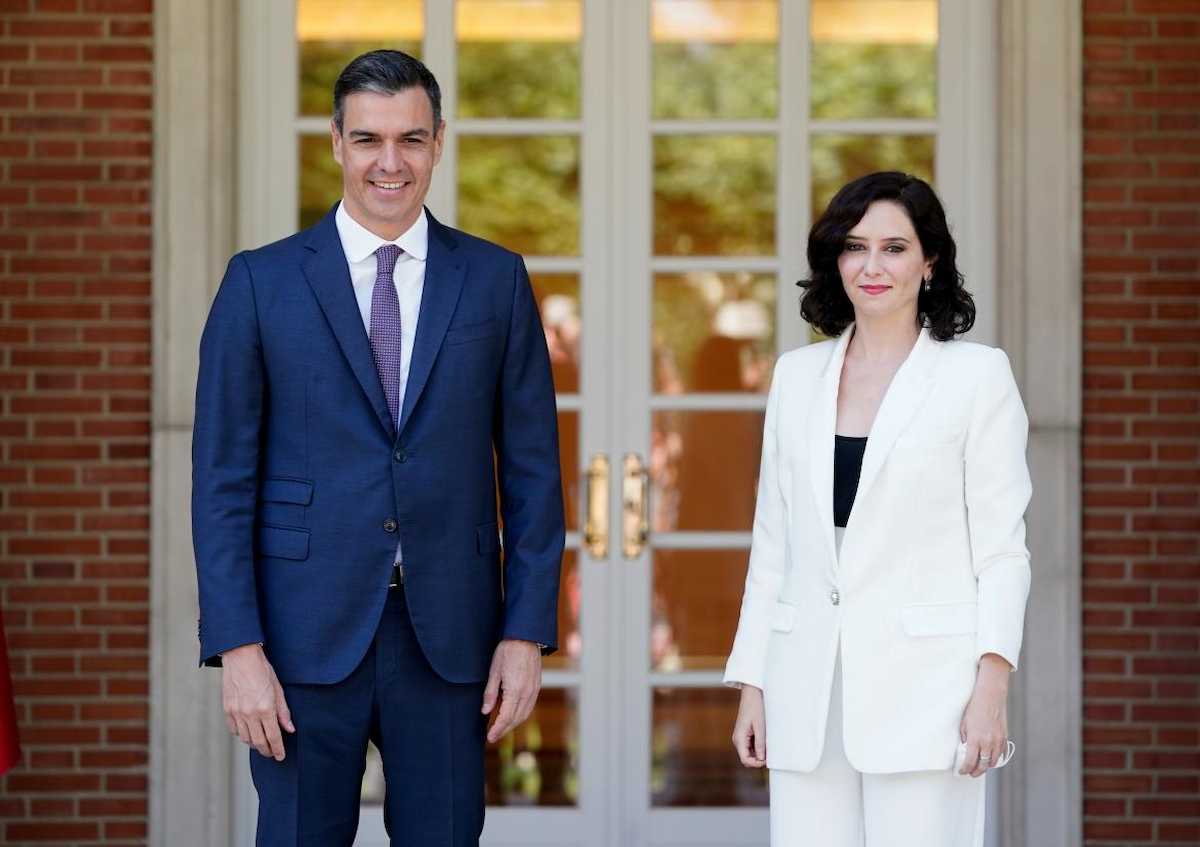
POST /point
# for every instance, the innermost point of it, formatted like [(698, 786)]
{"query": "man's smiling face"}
[(388, 147)]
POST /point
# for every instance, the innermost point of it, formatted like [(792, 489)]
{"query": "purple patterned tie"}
[(385, 327)]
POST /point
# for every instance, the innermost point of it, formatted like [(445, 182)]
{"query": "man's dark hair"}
[(385, 72), (947, 308)]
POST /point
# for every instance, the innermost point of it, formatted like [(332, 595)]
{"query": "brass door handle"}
[(595, 527), (635, 506)]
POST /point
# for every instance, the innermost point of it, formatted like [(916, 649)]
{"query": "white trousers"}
[(836, 806)]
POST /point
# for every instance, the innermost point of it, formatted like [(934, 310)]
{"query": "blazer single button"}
[(400, 456), (834, 597), (389, 525)]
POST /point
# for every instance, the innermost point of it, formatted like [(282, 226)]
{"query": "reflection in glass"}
[(570, 601), (692, 762), (537, 764), (874, 58), (320, 178), (329, 33), (558, 302), (569, 462), (697, 597), (714, 195), (713, 332), (715, 58), (704, 469), (837, 159), (521, 191), (518, 58)]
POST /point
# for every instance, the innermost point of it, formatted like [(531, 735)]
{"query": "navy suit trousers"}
[(430, 735)]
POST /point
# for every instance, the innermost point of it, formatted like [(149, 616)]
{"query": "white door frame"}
[(204, 207)]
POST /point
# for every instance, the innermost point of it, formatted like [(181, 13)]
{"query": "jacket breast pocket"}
[(931, 619), (467, 333)]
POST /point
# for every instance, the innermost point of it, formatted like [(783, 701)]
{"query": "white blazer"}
[(933, 570)]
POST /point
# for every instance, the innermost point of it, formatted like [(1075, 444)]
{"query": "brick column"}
[(1141, 422), (75, 228)]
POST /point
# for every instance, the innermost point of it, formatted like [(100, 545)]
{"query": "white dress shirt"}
[(359, 245)]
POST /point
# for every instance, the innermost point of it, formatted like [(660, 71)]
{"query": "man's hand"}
[(253, 700), (515, 679)]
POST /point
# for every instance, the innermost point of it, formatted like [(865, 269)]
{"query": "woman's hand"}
[(750, 728), (984, 725)]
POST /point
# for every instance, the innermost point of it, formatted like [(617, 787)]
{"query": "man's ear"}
[(439, 137), (335, 138)]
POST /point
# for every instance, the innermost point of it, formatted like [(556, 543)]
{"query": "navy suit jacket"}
[(302, 485)]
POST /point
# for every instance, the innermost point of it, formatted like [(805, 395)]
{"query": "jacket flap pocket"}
[(276, 490), (487, 539), (471, 332), (940, 619), (783, 617), (282, 542)]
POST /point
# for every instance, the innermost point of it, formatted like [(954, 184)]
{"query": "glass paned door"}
[(658, 163)]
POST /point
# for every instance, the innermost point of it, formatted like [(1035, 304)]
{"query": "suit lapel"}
[(444, 273), (908, 390), (328, 275), (822, 421)]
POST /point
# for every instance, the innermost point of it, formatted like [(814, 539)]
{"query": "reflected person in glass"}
[(888, 577), (370, 390)]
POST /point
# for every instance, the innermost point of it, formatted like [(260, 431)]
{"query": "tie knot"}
[(386, 257)]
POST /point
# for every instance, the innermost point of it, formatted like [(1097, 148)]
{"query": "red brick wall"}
[(75, 228), (1141, 439)]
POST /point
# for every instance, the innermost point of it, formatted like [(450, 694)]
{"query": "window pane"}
[(518, 58), (692, 762), (697, 598), (715, 58), (320, 178), (874, 58), (570, 602), (521, 191), (704, 467), (713, 332), (562, 319), (537, 764), (332, 32), (568, 455), (837, 159), (714, 195)]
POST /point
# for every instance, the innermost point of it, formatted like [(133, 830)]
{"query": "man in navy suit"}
[(367, 387)]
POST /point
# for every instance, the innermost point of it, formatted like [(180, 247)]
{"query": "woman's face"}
[(882, 264)]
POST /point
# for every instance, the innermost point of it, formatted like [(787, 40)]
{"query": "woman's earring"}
[(925, 285)]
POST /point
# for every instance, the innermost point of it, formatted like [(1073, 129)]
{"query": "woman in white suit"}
[(885, 599)]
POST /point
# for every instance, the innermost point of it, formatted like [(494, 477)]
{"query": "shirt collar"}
[(358, 242)]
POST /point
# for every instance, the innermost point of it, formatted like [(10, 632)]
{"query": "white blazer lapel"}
[(822, 423), (910, 386)]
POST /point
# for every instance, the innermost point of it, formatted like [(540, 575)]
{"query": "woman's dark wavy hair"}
[(947, 308)]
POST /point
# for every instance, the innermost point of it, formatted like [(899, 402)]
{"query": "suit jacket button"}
[(400, 456), (389, 525), (834, 597)]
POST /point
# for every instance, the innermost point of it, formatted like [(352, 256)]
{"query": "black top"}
[(847, 465)]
